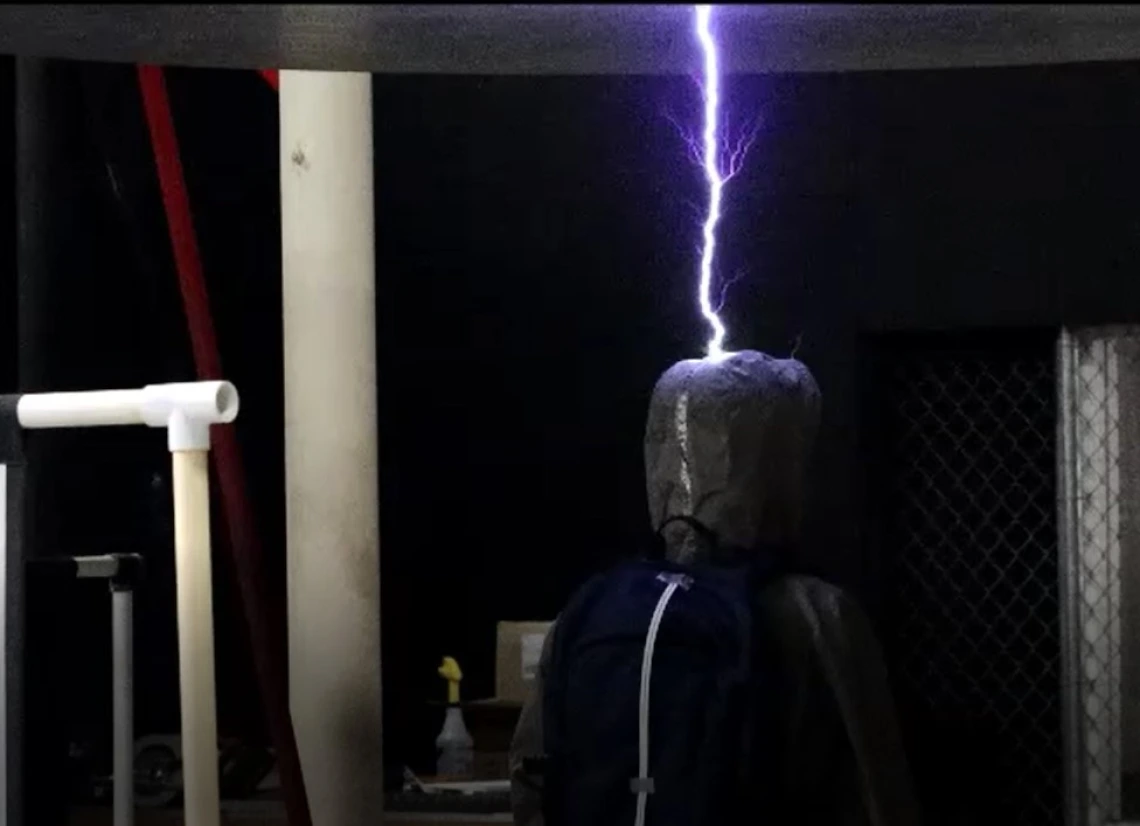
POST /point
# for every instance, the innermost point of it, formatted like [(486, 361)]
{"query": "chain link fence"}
[(1011, 521), (971, 544)]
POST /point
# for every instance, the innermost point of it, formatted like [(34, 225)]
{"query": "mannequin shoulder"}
[(803, 588), (811, 601)]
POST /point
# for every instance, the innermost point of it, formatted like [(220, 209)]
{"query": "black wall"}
[(536, 249)]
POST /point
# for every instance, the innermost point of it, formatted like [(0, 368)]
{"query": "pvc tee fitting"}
[(187, 411)]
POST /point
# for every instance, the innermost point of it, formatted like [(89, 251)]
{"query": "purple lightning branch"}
[(720, 159)]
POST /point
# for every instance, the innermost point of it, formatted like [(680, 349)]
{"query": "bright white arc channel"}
[(713, 177)]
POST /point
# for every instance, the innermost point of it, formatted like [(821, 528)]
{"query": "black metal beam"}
[(50, 205), (565, 39)]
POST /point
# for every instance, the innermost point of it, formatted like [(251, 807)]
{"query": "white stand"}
[(186, 411)]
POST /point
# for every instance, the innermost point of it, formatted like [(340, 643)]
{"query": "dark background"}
[(536, 252)]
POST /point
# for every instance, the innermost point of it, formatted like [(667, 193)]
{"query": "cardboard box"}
[(492, 723), (516, 658), (491, 765)]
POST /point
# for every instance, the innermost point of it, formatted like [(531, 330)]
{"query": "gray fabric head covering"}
[(727, 442)]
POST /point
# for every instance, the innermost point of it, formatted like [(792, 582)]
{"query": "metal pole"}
[(12, 637), (123, 656), (1068, 547)]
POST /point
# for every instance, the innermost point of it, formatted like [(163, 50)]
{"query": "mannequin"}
[(727, 443)]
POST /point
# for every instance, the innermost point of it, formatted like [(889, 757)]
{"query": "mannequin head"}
[(727, 443)]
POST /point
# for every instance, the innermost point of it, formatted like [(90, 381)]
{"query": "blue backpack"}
[(654, 696)]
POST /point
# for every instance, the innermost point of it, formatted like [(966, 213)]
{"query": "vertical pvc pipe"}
[(328, 301), (196, 636), (123, 712)]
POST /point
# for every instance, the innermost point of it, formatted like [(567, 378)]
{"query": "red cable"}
[(184, 244), (238, 515)]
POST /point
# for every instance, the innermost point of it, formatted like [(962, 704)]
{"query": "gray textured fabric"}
[(727, 442)]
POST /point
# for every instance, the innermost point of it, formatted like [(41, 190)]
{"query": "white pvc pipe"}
[(87, 409), (328, 301), (196, 637), (186, 409)]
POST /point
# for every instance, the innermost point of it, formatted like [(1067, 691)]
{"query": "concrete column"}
[(328, 300)]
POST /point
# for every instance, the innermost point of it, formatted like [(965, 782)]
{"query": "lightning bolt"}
[(720, 160)]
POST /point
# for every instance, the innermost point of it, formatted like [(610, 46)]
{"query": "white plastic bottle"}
[(454, 743)]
